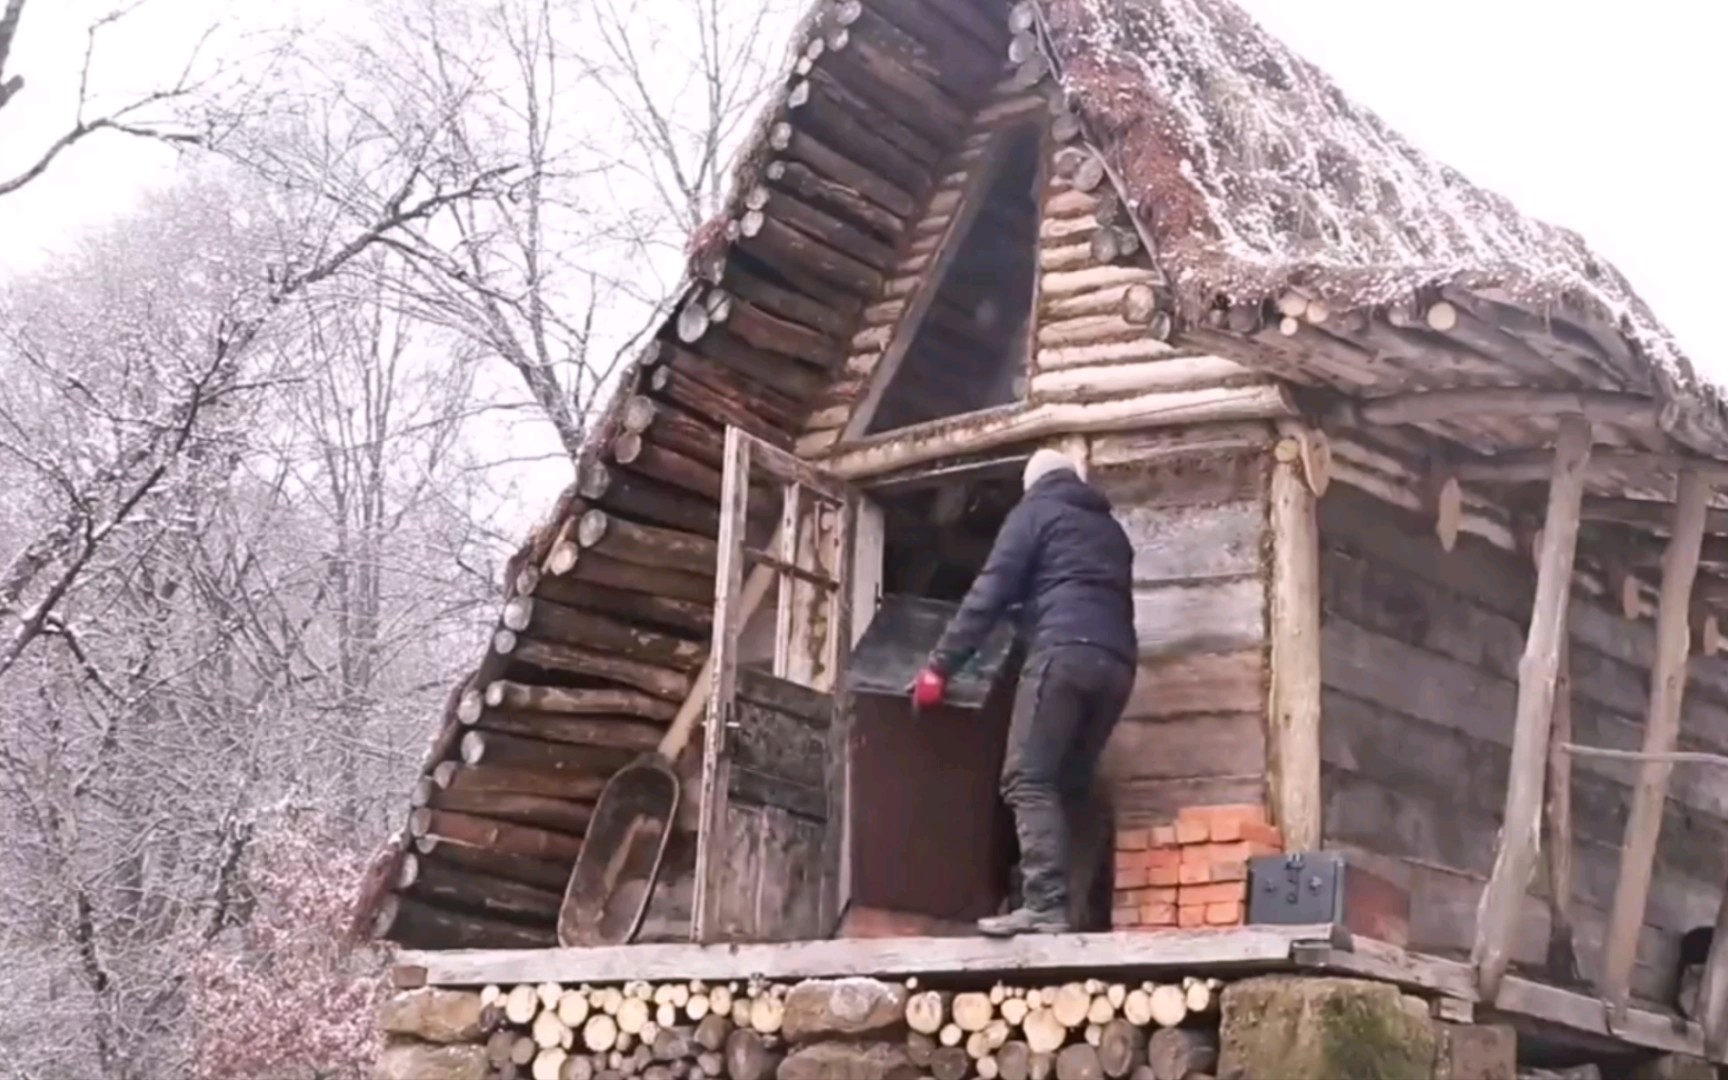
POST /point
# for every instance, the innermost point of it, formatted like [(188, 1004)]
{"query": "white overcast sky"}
[(1591, 115)]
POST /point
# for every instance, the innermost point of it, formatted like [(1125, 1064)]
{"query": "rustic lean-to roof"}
[(1247, 170)]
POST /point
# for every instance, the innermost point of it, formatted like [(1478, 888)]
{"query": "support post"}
[(1661, 731), (1712, 1007), (1557, 826), (1538, 672), (1295, 690)]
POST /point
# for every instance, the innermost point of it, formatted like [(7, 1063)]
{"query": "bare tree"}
[(163, 114), (559, 273), (268, 577)]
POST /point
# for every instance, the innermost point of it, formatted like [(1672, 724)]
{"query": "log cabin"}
[(1430, 516)]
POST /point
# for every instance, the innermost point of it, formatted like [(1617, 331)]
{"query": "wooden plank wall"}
[(1420, 661), (1194, 731)]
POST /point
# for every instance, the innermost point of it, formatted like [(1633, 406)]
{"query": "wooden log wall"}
[(609, 607), (1102, 327), (1194, 504), (937, 229), (1420, 655)]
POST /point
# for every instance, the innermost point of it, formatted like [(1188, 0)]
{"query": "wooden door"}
[(773, 793)]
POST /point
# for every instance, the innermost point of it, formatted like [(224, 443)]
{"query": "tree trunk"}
[(494, 835), (539, 873), (446, 886), (660, 681), (558, 814), (554, 784), (634, 495), (646, 545), (558, 624)]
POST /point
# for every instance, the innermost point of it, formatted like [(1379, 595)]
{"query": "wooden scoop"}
[(634, 817)]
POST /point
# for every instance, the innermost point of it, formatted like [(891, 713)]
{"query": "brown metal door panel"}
[(930, 834)]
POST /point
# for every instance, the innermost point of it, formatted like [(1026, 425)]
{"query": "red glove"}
[(929, 688)]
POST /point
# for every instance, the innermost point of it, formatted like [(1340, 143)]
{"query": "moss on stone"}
[(1299, 1028)]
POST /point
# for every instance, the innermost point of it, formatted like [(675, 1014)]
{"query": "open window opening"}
[(932, 844), (964, 348)]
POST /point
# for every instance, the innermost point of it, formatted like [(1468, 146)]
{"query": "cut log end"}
[(516, 616), (469, 708), (693, 322), (1139, 304), (563, 558)]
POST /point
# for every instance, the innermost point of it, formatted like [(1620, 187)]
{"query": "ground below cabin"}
[(1288, 1027)]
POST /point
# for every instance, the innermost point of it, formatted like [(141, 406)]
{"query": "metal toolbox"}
[(1312, 887)]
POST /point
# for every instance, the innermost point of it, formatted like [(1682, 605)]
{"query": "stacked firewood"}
[(755, 1030), (1072, 1031)]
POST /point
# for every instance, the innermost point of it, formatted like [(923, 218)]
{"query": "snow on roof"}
[(1253, 173)]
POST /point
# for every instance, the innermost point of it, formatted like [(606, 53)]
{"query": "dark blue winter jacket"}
[(1066, 561)]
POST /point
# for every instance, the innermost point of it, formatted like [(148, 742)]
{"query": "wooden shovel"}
[(634, 817)]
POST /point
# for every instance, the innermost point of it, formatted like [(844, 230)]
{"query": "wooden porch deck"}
[(1553, 1012)]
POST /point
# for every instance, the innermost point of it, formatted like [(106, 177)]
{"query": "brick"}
[(1228, 913), (1131, 877), (1216, 893), (1230, 871), (1194, 874), (1192, 832), (1234, 851), (1164, 876), (1133, 839), (1191, 915), (1169, 856), (1158, 915), (1163, 836), (1197, 855), (1121, 918), (1159, 896), (1224, 829), (1268, 836), (1132, 860)]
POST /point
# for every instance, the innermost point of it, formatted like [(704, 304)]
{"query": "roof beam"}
[(1632, 410), (1532, 466), (1648, 514)]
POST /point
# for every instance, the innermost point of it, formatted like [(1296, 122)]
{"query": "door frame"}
[(811, 567)]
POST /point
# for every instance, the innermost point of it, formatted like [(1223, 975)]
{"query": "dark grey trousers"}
[(1068, 702)]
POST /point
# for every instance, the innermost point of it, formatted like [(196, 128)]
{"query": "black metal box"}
[(1313, 887)]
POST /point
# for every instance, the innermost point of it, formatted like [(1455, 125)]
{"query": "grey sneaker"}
[(1024, 921)]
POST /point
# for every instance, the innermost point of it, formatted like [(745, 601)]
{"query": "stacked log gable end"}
[(1422, 493)]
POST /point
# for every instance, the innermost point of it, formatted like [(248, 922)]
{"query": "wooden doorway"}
[(773, 805)]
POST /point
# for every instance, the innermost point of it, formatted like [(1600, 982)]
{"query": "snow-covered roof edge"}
[(1254, 173)]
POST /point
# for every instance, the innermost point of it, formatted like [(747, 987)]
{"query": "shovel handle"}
[(677, 736)]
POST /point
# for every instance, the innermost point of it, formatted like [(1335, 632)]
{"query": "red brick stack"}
[(1193, 871)]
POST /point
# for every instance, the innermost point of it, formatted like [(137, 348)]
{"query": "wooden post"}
[(1712, 1007), (1661, 729), (1557, 827), (1295, 691), (1538, 671), (729, 618)]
